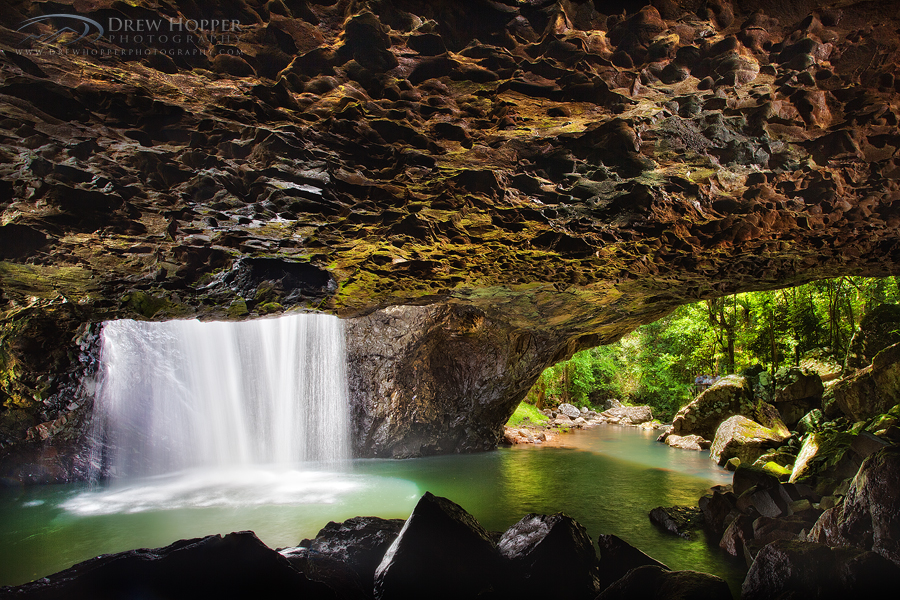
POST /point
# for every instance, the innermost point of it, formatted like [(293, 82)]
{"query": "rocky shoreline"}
[(440, 551), (567, 417)]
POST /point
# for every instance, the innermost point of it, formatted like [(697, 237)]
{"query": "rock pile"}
[(566, 417), (439, 552)]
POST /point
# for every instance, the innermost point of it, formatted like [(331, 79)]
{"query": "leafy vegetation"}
[(656, 364), (526, 411)]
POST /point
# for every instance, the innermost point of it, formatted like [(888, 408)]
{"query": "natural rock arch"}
[(538, 179)]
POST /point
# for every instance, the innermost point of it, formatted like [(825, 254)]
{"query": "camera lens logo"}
[(66, 25)]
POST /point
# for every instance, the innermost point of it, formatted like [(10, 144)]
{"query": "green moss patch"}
[(528, 412)]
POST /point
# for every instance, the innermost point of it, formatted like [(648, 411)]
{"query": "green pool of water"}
[(608, 478)]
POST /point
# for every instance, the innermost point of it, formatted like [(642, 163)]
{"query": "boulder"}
[(821, 363), (880, 425), (779, 464), (748, 440), (865, 444), (811, 421), (738, 533), (825, 454), (441, 552), (872, 390), (827, 529), (767, 530), (747, 476), (617, 557), (718, 508), (731, 395), (611, 403), (629, 415), (237, 565), (795, 569), (568, 410), (679, 520), (545, 556), (878, 329), (766, 502), (761, 382), (871, 510), (687, 442), (797, 391), (660, 584), (345, 555)]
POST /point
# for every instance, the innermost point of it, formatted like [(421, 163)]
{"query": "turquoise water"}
[(608, 478)]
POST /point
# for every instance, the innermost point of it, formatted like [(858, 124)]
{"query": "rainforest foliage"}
[(657, 364)]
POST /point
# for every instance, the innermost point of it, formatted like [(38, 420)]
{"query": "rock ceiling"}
[(573, 166)]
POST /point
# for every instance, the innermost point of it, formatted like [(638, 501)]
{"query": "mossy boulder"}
[(878, 329), (797, 391), (731, 395), (782, 459), (873, 390), (747, 440), (886, 424), (825, 454), (811, 421)]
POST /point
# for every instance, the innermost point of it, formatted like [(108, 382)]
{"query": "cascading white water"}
[(184, 394)]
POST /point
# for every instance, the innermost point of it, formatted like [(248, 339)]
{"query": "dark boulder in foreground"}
[(539, 548), (653, 582), (872, 505), (441, 552), (791, 569), (617, 557), (345, 555), (237, 565), (869, 517)]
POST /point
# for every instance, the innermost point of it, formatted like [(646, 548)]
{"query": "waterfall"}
[(186, 394)]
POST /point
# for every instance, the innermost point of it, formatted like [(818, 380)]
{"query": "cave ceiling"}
[(576, 166)]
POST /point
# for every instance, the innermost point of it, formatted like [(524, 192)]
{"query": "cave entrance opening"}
[(813, 326)]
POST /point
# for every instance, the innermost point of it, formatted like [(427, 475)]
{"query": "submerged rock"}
[(678, 520), (687, 442)]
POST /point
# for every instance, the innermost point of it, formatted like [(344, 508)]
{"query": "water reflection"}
[(607, 478)]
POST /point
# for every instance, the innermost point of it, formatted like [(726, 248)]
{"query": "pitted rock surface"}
[(568, 170)]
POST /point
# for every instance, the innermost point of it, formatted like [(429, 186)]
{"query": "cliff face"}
[(558, 171)]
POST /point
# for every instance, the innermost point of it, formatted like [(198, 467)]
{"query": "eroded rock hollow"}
[(482, 187)]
